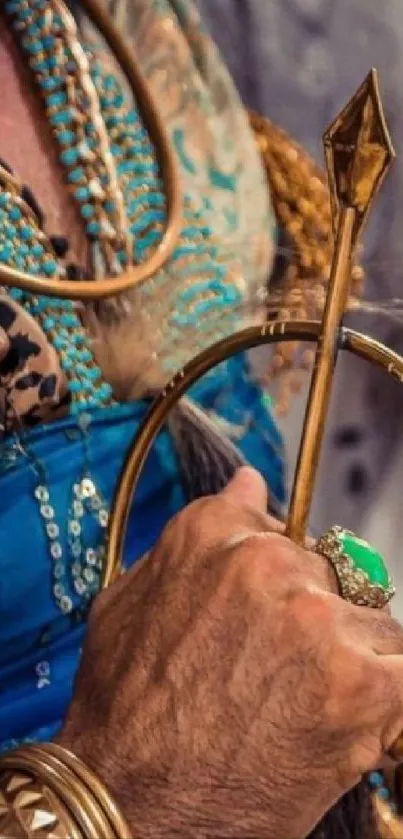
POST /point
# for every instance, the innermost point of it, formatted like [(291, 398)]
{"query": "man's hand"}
[(225, 689)]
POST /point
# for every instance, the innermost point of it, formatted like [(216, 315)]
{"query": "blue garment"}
[(37, 671)]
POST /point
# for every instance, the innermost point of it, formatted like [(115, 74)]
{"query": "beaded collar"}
[(112, 174)]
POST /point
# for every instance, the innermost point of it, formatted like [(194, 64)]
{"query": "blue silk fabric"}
[(35, 638)]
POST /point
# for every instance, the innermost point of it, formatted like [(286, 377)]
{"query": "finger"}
[(385, 632), (4, 344), (392, 728), (248, 487), (371, 629)]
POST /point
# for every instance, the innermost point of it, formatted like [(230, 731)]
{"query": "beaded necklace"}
[(113, 177), (82, 571)]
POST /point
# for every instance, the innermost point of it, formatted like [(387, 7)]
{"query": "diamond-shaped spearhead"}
[(358, 152)]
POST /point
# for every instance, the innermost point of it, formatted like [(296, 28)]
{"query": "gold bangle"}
[(84, 809), (94, 785), (47, 793)]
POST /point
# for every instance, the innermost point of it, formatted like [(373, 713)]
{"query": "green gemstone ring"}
[(360, 570)]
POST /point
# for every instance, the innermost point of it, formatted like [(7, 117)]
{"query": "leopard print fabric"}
[(33, 387)]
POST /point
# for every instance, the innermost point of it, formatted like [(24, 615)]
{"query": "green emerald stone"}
[(365, 558)]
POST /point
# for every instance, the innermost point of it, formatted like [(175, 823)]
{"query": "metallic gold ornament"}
[(360, 570)]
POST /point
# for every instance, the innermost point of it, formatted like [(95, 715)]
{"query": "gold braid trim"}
[(301, 201), (48, 793)]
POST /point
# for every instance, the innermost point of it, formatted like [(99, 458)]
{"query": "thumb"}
[(248, 487)]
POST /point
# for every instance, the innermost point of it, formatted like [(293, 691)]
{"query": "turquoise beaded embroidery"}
[(47, 33), (204, 286), (23, 245), (128, 165)]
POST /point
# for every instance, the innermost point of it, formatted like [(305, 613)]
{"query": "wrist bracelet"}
[(46, 792)]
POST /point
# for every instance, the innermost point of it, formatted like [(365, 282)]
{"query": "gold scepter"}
[(358, 153)]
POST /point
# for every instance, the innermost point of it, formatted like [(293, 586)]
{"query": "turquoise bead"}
[(58, 98), (59, 343), (49, 323), (139, 246), (137, 167), (50, 83), (82, 193), (110, 82), (69, 156), (32, 46), (104, 391), (64, 117), (93, 228), (5, 253), (146, 219), (33, 30), (39, 65), (16, 294), (112, 120), (50, 267), (75, 385), (87, 210), (76, 175), (66, 137), (48, 42), (25, 233)]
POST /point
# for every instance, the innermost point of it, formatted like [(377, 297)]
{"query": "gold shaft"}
[(319, 394)]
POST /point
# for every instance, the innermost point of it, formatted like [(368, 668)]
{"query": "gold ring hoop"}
[(255, 336)]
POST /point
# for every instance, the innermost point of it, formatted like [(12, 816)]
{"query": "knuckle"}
[(199, 516), (358, 692), (310, 610), (185, 528), (261, 562), (389, 633), (348, 678)]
